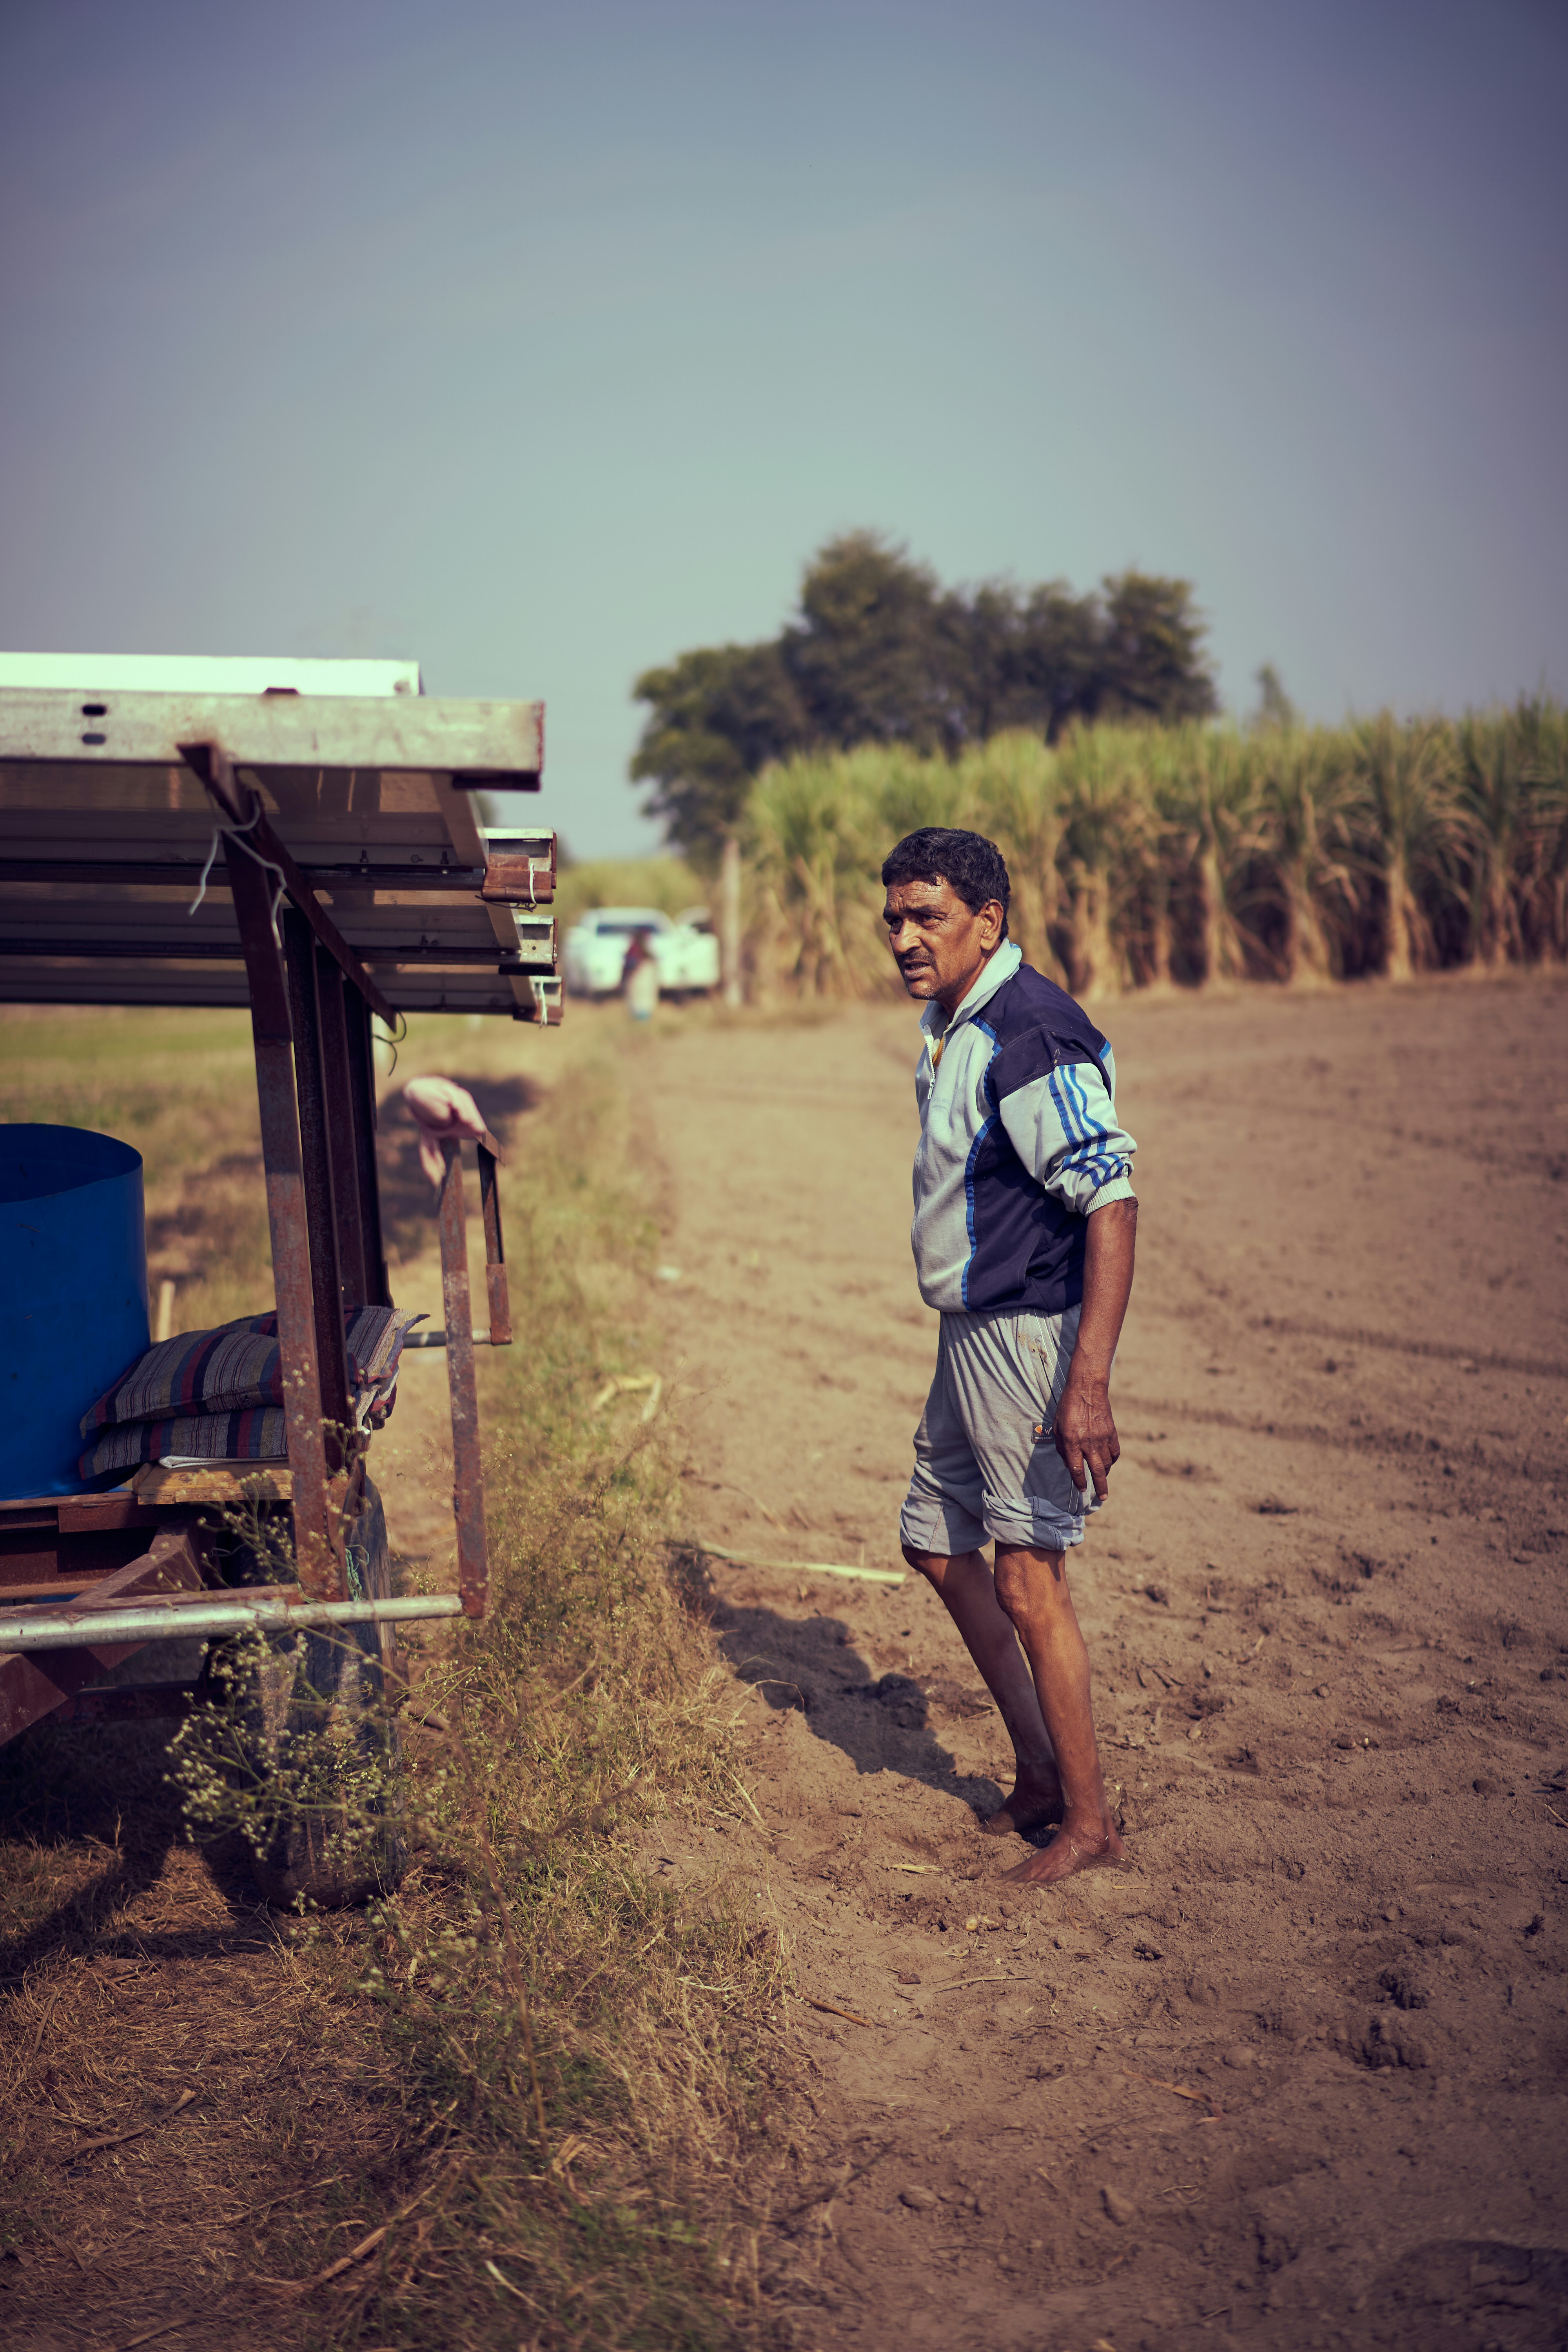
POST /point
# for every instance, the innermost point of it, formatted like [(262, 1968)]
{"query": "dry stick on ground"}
[(151, 2333), (113, 2139), (1181, 2091), (833, 2009), (345, 2261)]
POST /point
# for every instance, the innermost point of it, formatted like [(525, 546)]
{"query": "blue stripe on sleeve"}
[(1095, 1161)]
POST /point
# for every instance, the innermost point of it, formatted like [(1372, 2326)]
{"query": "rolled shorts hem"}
[(937, 1524)]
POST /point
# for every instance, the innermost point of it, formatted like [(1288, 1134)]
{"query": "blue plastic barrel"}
[(73, 1273)]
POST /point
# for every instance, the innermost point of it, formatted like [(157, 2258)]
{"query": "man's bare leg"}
[(1031, 1588), (969, 1594)]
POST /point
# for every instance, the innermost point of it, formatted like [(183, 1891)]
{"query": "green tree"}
[(1023, 661), (717, 717), (1150, 662), (871, 657), (881, 654)]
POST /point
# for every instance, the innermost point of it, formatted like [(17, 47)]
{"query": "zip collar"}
[(935, 1021)]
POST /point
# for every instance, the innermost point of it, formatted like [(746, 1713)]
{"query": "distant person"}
[(639, 976), (1023, 1230)]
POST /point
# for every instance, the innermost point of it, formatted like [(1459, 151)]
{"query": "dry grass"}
[(537, 2097)]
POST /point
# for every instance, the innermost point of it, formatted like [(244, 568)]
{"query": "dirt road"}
[(1299, 2074)]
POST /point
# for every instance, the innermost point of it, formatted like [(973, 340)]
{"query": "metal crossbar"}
[(208, 1617)]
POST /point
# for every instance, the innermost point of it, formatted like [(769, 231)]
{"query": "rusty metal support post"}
[(321, 1205), (361, 1102), (468, 1474), (495, 1251), (317, 1552), (337, 1078)]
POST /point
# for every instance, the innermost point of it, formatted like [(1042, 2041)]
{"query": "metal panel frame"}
[(310, 1000)]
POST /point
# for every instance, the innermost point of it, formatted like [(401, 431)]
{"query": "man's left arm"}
[(1085, 1428), (1064, 1126)]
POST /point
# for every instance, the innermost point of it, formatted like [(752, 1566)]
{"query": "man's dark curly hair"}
[(972, 866)]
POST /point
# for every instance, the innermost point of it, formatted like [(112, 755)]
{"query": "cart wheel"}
[(318, 1713)]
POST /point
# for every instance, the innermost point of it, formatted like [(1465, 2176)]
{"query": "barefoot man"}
[(1023, 1230)]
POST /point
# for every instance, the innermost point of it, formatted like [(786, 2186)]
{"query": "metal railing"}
[(55, 1627)]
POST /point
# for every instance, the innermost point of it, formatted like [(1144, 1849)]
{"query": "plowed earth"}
[(1299, 2074)]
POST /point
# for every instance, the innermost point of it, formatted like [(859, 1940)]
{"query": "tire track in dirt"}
[(1299, 2074)]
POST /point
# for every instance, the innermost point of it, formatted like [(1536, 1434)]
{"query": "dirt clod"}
[(1404, 1989)]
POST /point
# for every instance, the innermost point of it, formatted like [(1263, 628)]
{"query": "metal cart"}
[(348, 877)]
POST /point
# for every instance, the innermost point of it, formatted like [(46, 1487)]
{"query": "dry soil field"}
[(1300, 2073), (1297, 2075)]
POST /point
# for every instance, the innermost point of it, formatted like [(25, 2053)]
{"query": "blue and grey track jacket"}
[(1019, 1142)]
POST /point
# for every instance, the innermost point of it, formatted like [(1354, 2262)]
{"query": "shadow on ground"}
[(87, 1822), (882, 1723)]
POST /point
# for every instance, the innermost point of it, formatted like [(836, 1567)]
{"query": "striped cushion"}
[(236, 1370), (253, 1436)]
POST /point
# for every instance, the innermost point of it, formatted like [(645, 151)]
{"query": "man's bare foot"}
[(1036, 1803), (1082, 1846)]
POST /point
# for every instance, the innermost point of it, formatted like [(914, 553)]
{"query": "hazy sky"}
[(543, 343)]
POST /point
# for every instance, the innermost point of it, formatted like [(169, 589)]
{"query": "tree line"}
[(881, 653)]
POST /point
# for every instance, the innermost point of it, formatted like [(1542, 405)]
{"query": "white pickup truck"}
[(684, 948)]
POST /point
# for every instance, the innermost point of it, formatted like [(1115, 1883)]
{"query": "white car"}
[(685, 950)]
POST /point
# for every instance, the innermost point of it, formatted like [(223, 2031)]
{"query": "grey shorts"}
[(980, 1471)]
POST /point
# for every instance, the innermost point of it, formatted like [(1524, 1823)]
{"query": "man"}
[(1023, 1230)]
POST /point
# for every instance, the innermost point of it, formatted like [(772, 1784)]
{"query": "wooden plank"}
[(215, 1481), (142, 868), (530, 942), (497, 743), (109, 815), (221, 987), (97, 1513)]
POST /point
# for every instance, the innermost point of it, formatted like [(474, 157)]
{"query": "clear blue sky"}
[(543, 343)]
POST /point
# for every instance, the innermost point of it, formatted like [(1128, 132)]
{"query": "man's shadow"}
[(882, 1723)]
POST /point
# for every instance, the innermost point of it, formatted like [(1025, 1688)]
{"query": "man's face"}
[(938, 944)]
